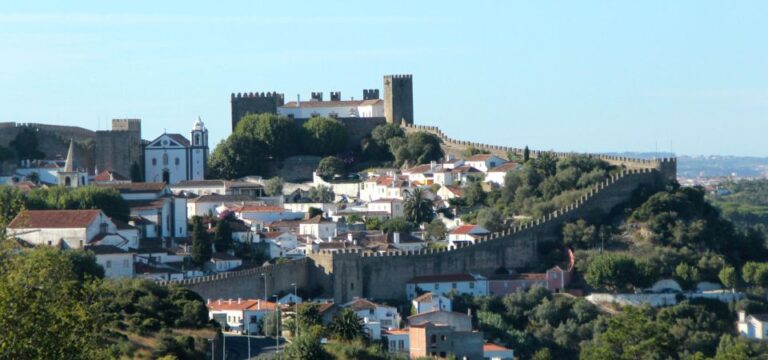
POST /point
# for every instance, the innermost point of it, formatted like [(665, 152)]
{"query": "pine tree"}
[(201, 245)]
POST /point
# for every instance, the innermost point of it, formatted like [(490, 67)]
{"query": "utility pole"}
[(277, 327), (296, 307)]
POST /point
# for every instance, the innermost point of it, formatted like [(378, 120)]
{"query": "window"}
[(177, 161), (437, 286), (433, 339), (109, 264), (165, 159), (471, 285), (126, 263), (453, 285), (154, 161), (442, 338), (351, 286), (197, 139)]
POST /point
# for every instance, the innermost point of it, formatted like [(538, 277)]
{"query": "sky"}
[(591, 76)]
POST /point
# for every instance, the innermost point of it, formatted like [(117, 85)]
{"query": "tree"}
[(309, 316), (313, 211), (418, 208), (436, 230), (728, 276), (330, 166), (346, 325), (322, 194), (474, 195), (268, 325), (237, 156), (306, 347), (687, 276), (222, 236), (86, 197), (755, 273), (526, 154), (34, 177), (377, 147), (201, 246), (25, 144), (11, 203), (614, 272), (579, 235), (417, 148), (274, 186), (45, 312), (325, 136), (491, 219), (136, 173), (396, 225), (633, 334), (277, 134)]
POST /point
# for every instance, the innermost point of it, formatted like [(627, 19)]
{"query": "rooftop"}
[(54, 219), (136, 187), (505, 167), (340, 103), (105, 249), (469, 229), (240, 304)]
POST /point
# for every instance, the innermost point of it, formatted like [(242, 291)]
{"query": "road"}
[(261, 347)]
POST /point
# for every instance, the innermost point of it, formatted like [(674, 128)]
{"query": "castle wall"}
[(357, 127), (249, 284), (378, 276), (53, 140), (118, 150), (254, 103)]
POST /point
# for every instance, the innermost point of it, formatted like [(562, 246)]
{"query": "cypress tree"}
[(222, 236), (201, 245)]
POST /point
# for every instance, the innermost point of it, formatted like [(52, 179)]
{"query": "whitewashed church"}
[(172, 158)]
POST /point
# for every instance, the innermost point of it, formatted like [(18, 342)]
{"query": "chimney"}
[(219, 301), (432, 165), (396, 237), (230, 301), (742, 315), (298, 99), (208, 301), (350, 237), (239, 300)]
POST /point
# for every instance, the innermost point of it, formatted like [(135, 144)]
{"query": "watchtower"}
[(254, 103), (398, 99)]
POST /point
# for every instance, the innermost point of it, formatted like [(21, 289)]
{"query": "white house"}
[(221, 262), (496, 175), (171, 158), (65, 228), (458, 321), (218, 187), (429, 174), (430, 302), (265, 214), (365, 108), (466, 234), (318, 227), (214, 204), (462, 174), (484, 162), (391, 207), (240, 315), (116, 262), (397, 340), (284, 242), (753, 326), (386, 187), (154, 209), (371, 312), (472, 284)]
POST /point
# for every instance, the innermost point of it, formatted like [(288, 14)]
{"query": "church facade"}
[(172, 158)]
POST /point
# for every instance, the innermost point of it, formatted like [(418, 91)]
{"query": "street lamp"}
[(213, 347), (296, 309), (277, 326), (264, 276)]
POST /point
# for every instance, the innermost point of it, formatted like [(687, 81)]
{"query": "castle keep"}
[(371, 110), (121, 147)]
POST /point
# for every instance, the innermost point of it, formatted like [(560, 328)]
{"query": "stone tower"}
[(198, 151), (121, 147), (254, 103), (398, 99)]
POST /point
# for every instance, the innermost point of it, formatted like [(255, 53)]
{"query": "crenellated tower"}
[(254, 103), (398, 99)]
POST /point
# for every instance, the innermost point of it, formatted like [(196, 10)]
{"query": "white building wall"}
[(180, 217), (177, 172), (116, 265)]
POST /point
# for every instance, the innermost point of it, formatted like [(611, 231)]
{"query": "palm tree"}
[(417, 208), (346, 325)]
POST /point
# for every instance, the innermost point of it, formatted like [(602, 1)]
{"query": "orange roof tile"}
[(54, 219)]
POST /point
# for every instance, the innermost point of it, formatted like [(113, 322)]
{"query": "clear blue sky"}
[(580, 75)]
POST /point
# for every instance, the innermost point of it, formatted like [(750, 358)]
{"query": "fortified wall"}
[(352, 273), (53, 140)]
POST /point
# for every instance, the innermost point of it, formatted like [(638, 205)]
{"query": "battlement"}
[(126, 125), (399, 76), (335, 95), (266, 270), (370, 94), (257, 95)]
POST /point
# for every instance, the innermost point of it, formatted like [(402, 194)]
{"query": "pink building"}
[(555, 279)]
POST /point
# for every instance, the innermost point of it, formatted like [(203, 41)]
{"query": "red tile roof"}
[(235, 304), (54, 219), (505, 167), (441, 278), (317, 219), (109, 175), (467, 229), (259, 208), (179, 139), (465, 169), (480, 157), (494, 347), (361, 304)]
